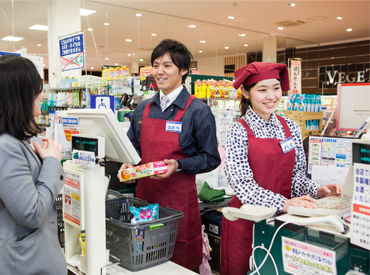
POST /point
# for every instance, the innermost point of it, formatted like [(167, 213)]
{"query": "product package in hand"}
[(145, 213), (143, 170)]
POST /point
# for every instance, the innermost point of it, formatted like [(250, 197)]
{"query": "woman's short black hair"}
[(20, 84), (179, 53)]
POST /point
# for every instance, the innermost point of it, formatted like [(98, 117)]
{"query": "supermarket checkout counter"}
[(310, 249), (167, 268)]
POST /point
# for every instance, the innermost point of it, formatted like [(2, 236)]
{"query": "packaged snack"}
[(144, 214), (143, 170)]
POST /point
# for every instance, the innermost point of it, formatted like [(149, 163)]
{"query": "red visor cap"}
[(257, 71)]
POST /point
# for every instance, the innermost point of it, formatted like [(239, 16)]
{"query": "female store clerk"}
[(30, 178), (265, 161)]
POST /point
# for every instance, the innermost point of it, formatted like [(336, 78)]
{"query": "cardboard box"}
[(143, 170)]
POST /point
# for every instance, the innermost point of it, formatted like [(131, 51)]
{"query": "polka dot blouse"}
[(239, 173)]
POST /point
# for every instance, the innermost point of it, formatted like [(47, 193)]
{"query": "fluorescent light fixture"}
[(339, 18), (154, 34), (349, 29), (43, 65), (115, 64), (128, 40), (280, 28), (141, 60), (139, 14), (227, 47), (231, 17), (241, 34), (107, 58), (86, 12), (90, 29), (245, 45), (106, 24), (39, 45), (12, 38), (200, 51), (202, 41), (191, 26), (92, 68), (39, 27), (292, 4), (128, 54)]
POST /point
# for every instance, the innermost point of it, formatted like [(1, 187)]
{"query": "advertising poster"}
[(72, 199), (304, 258)]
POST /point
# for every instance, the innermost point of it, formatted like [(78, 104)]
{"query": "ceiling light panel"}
[(86, 12), (39, 27), (12, 38)]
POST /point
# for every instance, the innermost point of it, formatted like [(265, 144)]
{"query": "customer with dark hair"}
[(188, 149), (265, 162), (30, 179)]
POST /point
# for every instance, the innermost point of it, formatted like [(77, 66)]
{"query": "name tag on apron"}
[(173, 126), (287, 145)]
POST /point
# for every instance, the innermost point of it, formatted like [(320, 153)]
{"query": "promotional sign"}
[(304, 258), (360, 218), (71, 125), (72, 52), (72, 199), (295, 76)]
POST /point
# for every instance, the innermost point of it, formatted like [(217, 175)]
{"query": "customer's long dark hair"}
[(20, 84)]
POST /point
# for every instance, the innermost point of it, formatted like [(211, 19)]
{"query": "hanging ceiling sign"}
[(72, 52)]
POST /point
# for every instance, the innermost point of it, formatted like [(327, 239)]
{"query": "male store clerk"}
[(189, 149)]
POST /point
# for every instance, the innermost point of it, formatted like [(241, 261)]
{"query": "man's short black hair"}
[(20, 84), (179, 53)]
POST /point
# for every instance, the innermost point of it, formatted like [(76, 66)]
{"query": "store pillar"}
[(269, 49), (64, 18), (134, 67)]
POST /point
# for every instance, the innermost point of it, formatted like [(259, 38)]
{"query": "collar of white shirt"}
[(255, 119), (172, 95)]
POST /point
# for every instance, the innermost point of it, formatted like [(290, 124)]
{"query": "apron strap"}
[(285, 126), (181, 112), (246, 126), (147, 110)]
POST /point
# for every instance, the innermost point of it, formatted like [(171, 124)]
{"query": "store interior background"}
[(311, 31)]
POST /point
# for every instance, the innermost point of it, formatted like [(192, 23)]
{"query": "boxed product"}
[(143, 170)]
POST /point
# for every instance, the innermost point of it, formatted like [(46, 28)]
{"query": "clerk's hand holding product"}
[(265, 162), (175, 136), (171, 168), (30, 179)]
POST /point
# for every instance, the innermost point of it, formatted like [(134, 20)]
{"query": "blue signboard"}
[(72, 52), (6, 53), (102, 102)]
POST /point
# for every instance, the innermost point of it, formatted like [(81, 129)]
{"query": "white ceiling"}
[(313, 23)]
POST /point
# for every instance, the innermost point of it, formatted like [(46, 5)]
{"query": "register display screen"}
[(361, 153), (85, 144), (364, 153)]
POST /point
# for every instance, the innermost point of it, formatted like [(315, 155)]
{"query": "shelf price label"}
[(72, 52)]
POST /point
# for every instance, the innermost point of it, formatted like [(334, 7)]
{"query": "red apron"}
[(178, 191), (272, 170)]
